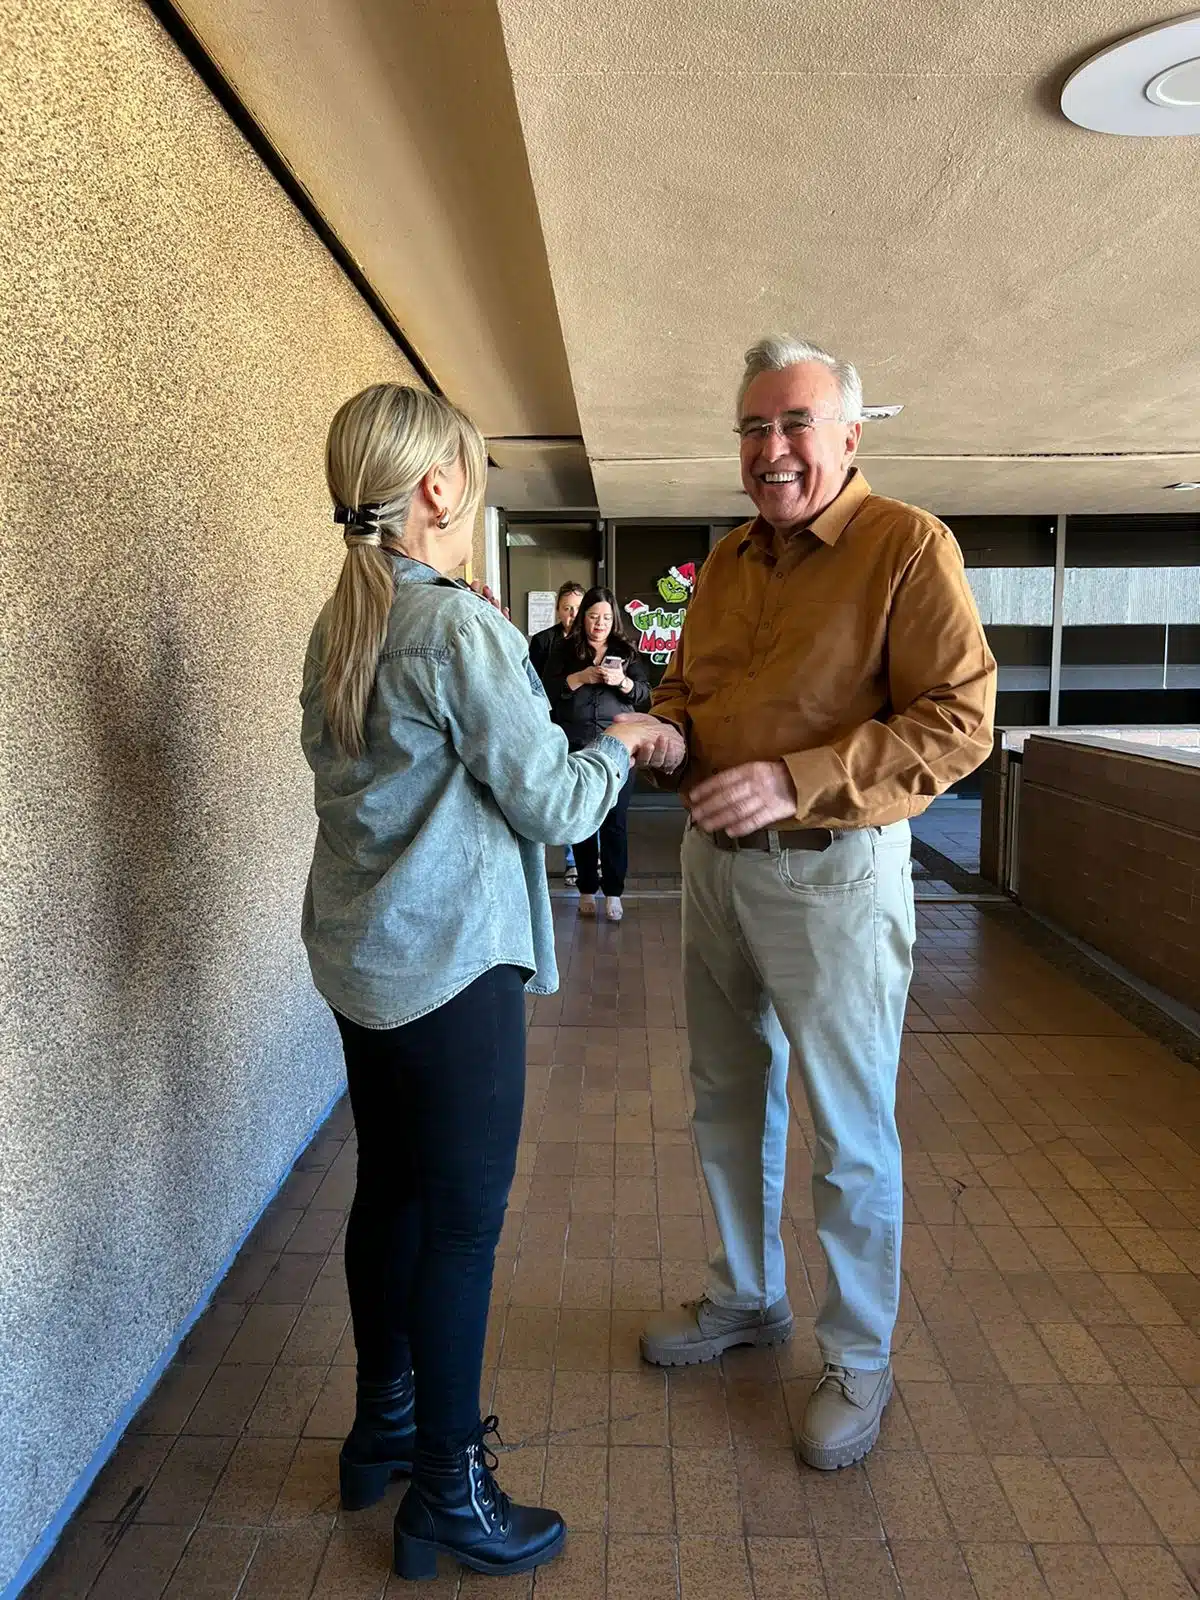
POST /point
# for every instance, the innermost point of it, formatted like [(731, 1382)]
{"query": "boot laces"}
[(484, 1461), (834, 1373)]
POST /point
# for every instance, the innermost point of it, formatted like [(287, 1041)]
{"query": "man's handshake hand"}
[(744, 799), (650, 742)]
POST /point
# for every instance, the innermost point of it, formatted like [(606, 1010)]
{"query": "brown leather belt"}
[(780, 839)]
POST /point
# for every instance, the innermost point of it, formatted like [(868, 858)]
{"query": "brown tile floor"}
[(1045, 1438)]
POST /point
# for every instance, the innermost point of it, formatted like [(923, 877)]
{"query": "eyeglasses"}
[(792, 425)]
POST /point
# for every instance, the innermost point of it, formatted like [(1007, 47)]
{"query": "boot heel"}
[(362, 1485), (414, 1559)]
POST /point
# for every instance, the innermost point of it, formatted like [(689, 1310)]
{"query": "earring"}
[(444, 520)]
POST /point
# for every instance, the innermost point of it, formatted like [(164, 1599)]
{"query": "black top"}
[(541, 645), (585, 713)]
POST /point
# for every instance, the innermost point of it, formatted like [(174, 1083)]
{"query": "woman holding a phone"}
[(592, 676)]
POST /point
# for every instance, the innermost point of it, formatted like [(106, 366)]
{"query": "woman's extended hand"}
[(614, 677), (585, 675), (650, 741)]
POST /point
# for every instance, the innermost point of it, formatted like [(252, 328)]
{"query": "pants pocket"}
[(846, 867)]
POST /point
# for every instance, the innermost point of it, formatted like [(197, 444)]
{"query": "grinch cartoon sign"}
[(659, 626)]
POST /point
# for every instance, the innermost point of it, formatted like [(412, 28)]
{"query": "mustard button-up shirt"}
[(851, 649)]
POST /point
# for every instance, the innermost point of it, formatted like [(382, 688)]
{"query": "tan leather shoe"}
[(701, 1331), (842, 1421)]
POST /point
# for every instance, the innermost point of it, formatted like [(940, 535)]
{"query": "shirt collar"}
[(407, 570), (828, 525)]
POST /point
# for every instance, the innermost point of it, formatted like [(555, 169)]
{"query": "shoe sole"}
[(416, 1559), (671, 1355), (828, 1458)]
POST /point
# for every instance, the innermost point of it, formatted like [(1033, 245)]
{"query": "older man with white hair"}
[(832, 679)]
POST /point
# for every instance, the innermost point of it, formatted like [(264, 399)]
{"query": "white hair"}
[(777, 351)]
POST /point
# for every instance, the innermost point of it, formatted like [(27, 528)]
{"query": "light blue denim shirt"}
[(429, 865)]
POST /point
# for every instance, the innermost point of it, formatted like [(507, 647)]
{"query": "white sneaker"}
[(613, 909), (587, 905)]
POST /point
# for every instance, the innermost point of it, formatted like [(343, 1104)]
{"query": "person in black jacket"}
[(566, 610), (593, 675), (541, 647)]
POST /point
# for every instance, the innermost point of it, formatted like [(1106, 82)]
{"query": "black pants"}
[(437, 1108), (603, 860)]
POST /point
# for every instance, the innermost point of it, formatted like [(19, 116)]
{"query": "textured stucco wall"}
[(174, 342)]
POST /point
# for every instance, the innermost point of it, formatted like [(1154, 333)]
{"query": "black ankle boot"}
[(380, 1445), (454, 1505)]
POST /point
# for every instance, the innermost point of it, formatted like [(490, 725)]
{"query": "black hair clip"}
[(359, 516)]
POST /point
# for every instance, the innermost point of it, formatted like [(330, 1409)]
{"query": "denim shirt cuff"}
[(616, 752)]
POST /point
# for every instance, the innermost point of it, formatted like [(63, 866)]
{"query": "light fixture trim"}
[(880, 413), (1111, 93), (1177, 87)]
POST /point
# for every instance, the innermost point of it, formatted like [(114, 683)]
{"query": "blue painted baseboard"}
[(53, 1530)]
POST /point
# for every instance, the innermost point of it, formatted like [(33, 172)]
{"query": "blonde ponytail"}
[(381, 445)]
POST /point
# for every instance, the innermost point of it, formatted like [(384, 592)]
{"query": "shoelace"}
[(491, 1496), (836, 1374)]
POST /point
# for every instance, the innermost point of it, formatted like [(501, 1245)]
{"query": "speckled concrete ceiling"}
[(400, 122), (896, 182)]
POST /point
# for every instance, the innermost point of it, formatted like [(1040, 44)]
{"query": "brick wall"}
[(1110, 851)]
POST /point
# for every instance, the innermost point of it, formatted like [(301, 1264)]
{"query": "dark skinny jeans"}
[(437, 1109), (603, 860)]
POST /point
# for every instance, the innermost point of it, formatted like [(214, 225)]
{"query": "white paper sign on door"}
[(543, 604)]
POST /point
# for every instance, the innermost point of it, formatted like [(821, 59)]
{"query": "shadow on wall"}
[(171, 1026), (140, 723), (144, 1149), (189, 938)]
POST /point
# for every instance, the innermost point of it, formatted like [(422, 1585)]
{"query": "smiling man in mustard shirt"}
[(832, 679)]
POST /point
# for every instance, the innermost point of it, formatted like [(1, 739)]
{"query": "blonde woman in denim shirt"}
[(439, 777)]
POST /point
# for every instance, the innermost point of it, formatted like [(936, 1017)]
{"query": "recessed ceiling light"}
[(1147, 84), (1177, 86), (880, 413), (1183, 488)]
